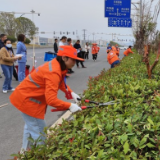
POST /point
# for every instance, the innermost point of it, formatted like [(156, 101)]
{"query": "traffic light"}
[(54, 32), (60, 33), (73, 33), (67, 33)]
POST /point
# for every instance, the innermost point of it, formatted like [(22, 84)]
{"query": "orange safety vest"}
[(112, 57), (94, 49), (117, 51), (39, 89), (98, 49), (127, 52), (114, 49)]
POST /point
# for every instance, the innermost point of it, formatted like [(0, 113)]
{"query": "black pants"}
[(77, 62), (15, 73), (86, 55), (80, 55), (94, 56)]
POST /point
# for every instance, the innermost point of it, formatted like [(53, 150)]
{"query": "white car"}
[(122, 48)]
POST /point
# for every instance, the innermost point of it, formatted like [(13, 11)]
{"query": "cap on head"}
[(68, 51)]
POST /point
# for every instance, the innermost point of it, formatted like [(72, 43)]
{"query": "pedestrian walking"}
[(87, 48), (3, 37), (128, 51), (40, 89), (94, 51), (69, 43), (79, 49), (21, 49), (112, 58), (63, 41), (55, 46), (7, 60)]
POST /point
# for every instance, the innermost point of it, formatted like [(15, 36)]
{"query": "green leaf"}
[(150, 121), (143, 141), (107, 145), (150, 145), (86, 146), (126, 147)]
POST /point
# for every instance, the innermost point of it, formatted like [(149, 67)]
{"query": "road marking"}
[(6, 104)]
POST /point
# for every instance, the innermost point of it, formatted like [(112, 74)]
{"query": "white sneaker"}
[(4, 91), (12, 89)]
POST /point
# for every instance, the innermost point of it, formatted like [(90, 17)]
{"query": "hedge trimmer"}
[(99, 104)]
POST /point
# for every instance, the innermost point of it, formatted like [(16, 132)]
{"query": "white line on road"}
[(6, 104)]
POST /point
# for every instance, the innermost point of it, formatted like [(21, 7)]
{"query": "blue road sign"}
[(120, 22), (118, 8)]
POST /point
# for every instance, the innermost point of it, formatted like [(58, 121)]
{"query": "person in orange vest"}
[(40, 89), (117, 50), (114, 49), (128, 51), (109, 47), (94, 51), (112, 58)]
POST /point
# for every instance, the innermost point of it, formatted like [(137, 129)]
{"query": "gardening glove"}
[(75, 96), (74, 108)]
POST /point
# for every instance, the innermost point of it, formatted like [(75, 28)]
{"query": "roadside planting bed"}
[(125, 131)]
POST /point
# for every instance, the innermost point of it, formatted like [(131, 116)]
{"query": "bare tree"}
[(7, 23), (145, 31)]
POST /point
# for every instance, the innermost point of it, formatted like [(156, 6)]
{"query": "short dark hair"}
[(63, 37), (2, 35), (130, 47), (61, 62), (21, 37), (78, 40), (55, 39), (6, 41), (69, 39)]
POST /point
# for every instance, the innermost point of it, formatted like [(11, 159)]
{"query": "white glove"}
[(74, 108), (75, 96)]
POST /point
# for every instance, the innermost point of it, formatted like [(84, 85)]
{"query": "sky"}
[(68, 15)]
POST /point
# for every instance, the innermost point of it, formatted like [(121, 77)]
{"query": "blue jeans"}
[(114, 63), (33, 128), (8, 71), (21, 71)]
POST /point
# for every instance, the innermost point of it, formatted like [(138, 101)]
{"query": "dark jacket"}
[(77, 46), (1, 44), (55, 47)]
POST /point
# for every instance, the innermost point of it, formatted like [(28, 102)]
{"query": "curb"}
[(66, 115)]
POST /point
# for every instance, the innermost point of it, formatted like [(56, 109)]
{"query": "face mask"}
[(8, 45)]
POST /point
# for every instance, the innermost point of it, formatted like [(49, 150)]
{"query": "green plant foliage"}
[(27, 41), (12, 38), (129, 130)]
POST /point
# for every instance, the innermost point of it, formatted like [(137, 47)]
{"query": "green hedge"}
[(126, 131)]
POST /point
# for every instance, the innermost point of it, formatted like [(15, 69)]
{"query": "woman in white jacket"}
[(87, 48)]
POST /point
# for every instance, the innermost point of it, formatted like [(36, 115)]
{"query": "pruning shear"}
[(88, 101)]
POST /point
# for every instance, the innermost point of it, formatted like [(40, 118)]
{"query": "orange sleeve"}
[(52, 82), (130, 51)]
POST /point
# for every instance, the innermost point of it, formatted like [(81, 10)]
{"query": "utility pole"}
[(93, 37), (84, 35)]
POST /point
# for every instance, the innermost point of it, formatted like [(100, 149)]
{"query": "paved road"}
[(11, 122)]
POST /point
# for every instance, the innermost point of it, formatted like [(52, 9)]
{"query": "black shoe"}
[(72, 71), (0, 76), (84, 67)]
